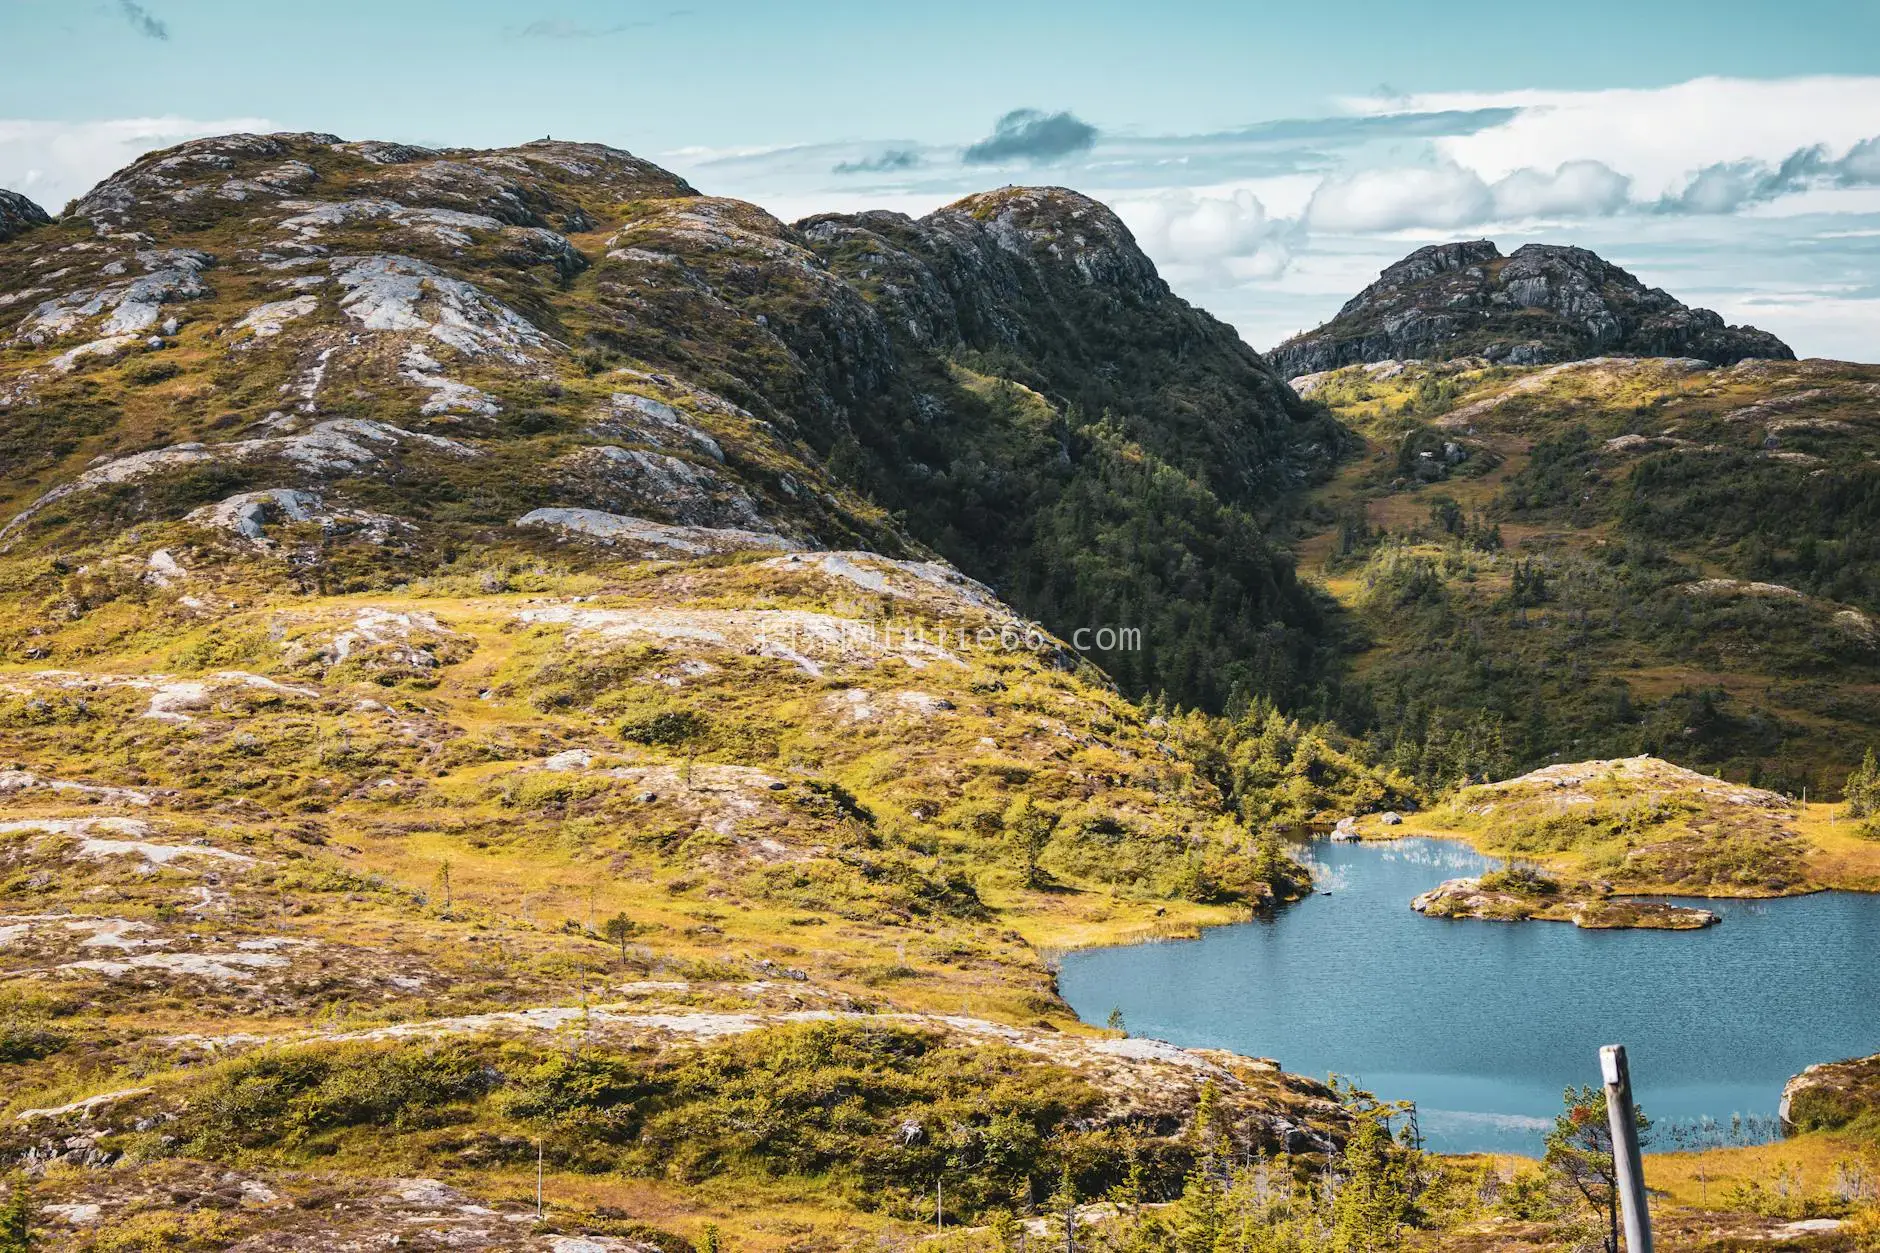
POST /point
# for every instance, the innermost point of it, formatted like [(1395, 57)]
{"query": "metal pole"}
[(1628, 1169)]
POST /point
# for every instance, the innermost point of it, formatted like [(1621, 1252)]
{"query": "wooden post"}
[(538, 1179), (1628, 1169)]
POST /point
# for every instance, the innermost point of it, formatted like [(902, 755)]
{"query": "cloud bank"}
[(54, 162), (1445, 196), (1728, 186)]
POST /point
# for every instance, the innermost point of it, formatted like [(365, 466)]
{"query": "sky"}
[(1270, 158)]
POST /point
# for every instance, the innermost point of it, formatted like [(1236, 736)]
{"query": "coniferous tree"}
[(1863, 789), (16, 1218), (1373, 1200)]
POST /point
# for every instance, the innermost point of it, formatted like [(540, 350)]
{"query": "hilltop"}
[(1543, 303), (18, 214)]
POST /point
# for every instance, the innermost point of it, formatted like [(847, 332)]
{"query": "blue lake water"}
[(1482, 1023)]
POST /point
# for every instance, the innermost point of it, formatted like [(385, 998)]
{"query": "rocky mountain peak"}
[(19, 215), (1436, 259), (1543, 303), (1060, 224)]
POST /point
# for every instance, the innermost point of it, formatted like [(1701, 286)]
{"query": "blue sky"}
[(1271, 157)]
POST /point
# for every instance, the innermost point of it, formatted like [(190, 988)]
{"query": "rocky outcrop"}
[(336, 448), (1831, 1095), (1568, 784), (1057, 278), (1544, 303), (19, 215), (652, 537)]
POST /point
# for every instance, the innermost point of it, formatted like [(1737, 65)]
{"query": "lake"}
[(1483, 1023)]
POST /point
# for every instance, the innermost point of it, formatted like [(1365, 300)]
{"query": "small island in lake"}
[(1520, 894)]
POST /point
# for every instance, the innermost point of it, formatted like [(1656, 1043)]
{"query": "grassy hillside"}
[(476, 683), (1608, 558)]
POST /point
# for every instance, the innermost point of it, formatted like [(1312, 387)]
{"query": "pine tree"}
[(16, 1218), (1064, 1205), (1201, 1215), (1006, 1230), (1210, 1121), (1031, 827), (619, 929), (1863, 788), (1374, 1199)]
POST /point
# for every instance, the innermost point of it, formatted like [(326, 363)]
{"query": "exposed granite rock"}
[(335, 448), (686, 541), (392, 293), (131, 307), (633, 481), (19, 215), (528, 185), (1542, 304), (1570, 783), (250, 514)]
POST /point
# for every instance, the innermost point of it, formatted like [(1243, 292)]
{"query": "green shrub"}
[(1520, 881), (26, 1033), (670, 728), (289, 1097), (871, 1111)]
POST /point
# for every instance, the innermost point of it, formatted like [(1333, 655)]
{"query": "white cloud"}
[(1448, 197), (1443, 196), (1229, 236), (1656, 136), (53, 162), (1575, 189)]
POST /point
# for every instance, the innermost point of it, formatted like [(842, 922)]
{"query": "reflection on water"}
[(1483, 1024)]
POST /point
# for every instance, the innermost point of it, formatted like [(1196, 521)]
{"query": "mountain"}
[(1544, 303), (481, 677), (1006, 382)]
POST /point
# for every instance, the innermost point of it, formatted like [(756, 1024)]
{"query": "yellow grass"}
[(1701, 1180)]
